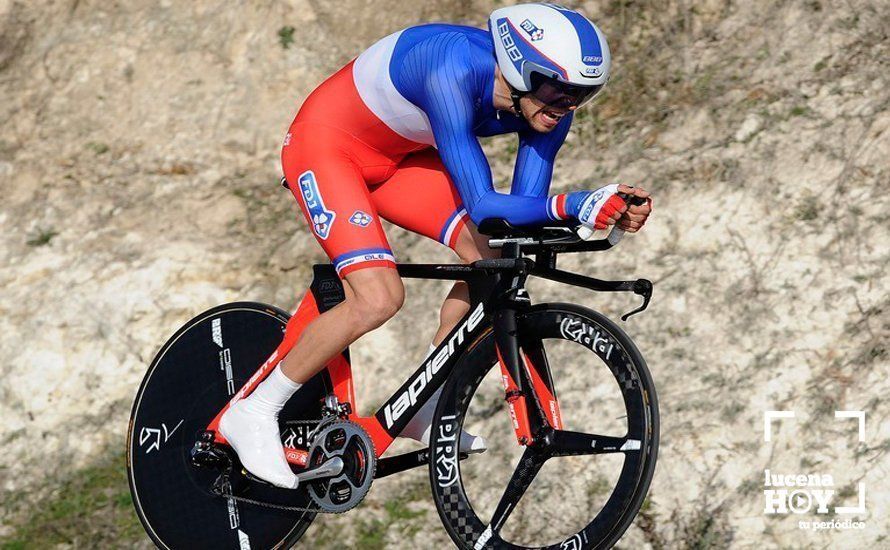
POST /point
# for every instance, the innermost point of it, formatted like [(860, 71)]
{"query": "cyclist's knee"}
[(378, 294), (372, 309)]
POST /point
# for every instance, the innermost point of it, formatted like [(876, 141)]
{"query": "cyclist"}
[(394, 135)]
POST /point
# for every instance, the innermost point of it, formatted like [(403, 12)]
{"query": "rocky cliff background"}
[(138, 164)]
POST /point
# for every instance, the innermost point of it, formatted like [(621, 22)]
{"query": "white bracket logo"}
[(799, 493)]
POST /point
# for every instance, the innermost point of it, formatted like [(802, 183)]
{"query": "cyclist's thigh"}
[(420, 197), (334, 199)]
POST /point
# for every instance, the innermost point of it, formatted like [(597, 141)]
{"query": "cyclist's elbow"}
[(477, 217), (479, 214)]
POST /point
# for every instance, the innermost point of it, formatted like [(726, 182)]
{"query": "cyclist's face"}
[(542, 117)]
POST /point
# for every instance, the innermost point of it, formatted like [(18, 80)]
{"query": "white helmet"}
[(547, 43)]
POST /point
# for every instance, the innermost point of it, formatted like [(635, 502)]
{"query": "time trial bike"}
[(567, 469)]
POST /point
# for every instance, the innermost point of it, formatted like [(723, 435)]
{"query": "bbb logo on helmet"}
[(507, 39), (592, 60)]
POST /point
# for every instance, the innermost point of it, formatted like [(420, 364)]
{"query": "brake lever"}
[(641, 287)]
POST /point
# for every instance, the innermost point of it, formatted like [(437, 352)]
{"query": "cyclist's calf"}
[(470, 246)]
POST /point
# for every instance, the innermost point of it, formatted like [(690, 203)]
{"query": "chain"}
[(218, 491)]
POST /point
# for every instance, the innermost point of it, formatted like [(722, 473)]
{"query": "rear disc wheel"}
[(189, 381)]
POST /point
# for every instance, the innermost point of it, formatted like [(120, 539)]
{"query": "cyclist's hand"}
[(601, 208), (633, 218)]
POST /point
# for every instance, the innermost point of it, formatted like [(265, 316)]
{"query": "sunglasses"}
[(558, 94)]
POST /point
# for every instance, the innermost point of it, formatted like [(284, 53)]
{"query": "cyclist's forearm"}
[(518, 209)]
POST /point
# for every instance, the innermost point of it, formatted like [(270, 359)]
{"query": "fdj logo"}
[(322, 218), (532, 30)]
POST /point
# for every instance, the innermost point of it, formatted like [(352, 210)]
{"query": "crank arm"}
[(329, 468)]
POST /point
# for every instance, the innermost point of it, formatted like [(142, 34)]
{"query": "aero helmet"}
[(538, 44)]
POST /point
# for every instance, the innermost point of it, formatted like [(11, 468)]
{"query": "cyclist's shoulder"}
[(440, 41), (446, 31)]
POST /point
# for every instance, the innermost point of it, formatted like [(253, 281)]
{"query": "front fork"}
[(525, 373)]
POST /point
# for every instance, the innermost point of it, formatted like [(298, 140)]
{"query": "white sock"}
[(271, 395)]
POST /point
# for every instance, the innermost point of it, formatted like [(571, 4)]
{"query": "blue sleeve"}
[(535, 157), (439, 73)]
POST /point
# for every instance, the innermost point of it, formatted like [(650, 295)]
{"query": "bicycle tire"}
[(455, 509), (222, 347)]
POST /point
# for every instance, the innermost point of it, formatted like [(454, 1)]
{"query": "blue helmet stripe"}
[(591, 50)]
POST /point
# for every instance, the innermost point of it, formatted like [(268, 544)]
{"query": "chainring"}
[(350, 442)]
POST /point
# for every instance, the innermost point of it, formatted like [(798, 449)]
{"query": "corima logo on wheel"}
[(446, 449), (322, 218), (576, 542)]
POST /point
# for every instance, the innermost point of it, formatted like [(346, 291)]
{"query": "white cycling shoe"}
[(471, 444), (253, 433)]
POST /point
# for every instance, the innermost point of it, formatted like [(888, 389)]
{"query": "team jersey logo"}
[(322, 218), (532, 30), (360, 219)]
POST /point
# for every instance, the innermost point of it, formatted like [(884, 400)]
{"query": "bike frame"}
[(497, 296)]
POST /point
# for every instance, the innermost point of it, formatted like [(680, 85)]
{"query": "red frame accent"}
[(517, 404), (547, 398), (341, 377)]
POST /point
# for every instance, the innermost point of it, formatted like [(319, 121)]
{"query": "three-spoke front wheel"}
[(578, 485)]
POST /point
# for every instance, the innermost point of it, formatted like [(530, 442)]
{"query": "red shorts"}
[(344, 184)]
